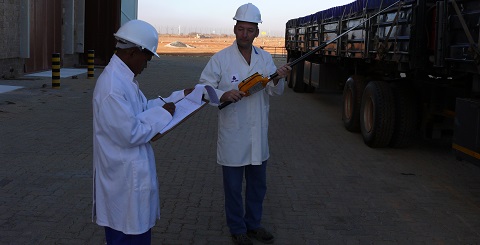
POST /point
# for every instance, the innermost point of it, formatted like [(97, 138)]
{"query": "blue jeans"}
[(238, 220), (115, 237)]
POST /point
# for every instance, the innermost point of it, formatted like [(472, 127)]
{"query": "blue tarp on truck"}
[(359, 6)]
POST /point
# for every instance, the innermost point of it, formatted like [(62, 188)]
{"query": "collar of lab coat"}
[(123, 69), (255, 56)]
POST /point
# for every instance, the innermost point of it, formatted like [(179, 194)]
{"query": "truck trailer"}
[(406, 68)]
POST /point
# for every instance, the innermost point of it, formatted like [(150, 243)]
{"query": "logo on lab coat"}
[(234, 78)]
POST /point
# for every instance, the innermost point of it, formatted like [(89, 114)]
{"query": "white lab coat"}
[(242, 126), (125, 194)]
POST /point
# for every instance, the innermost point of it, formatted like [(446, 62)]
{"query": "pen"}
[(162, 99)]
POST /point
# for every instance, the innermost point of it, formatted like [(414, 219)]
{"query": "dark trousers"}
[(115, 237), (238, 220)]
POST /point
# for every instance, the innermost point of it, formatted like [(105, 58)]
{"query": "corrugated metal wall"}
[(45, 34), (41, 32)]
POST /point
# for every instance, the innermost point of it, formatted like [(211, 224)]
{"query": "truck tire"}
[(290, 75), (297, 78), (298, 86), (377, 114), (352, 99), (405, 116), (308, 88)]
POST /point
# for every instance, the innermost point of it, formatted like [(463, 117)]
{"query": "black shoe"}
[(241, 239), (262, 235)]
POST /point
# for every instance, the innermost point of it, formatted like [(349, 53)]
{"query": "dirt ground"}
[(200, 46)]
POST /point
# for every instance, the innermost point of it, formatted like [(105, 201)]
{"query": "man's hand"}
[(282, 72), (187, 91), (232, 95), (170, 107)]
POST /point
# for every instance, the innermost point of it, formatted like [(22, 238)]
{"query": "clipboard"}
[(180, 121), (188, 106)]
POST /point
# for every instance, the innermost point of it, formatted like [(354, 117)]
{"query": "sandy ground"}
[(210, 45)]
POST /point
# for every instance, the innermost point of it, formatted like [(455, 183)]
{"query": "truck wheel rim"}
[(368, 115), (348, 104)]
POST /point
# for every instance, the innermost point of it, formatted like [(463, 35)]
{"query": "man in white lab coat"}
[(242, 144), (125, 196)]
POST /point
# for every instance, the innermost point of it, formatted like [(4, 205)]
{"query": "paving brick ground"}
[(325, 185)]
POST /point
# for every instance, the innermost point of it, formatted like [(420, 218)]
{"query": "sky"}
[(215, 16)]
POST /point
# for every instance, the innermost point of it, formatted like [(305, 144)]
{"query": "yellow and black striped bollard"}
[(91, 65), (56, 70)]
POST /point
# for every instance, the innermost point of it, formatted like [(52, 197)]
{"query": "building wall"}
[(24, 24), (10, 63), (73, 45), (45, 34)]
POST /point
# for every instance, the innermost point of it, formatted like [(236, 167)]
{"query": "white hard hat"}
[(248, 13), (140, 33)]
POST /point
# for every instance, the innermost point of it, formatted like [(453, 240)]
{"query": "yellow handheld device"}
[(249, 86)]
